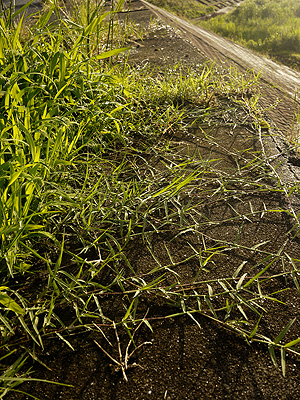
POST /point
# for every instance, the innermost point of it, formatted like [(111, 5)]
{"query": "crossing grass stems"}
[(79, 132)]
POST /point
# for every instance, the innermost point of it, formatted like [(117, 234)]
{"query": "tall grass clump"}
[(58, 104), (49, 97)]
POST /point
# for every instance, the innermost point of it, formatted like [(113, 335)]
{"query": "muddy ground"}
[(186, 360)]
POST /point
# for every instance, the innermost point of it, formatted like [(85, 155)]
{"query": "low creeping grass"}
[(99, 160)]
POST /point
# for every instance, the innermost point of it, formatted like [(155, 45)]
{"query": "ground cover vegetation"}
[(267, 26), (189, 9), (94, 169)]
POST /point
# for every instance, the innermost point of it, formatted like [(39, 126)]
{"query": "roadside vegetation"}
[(189, 9), (267, 26), (89, 172)]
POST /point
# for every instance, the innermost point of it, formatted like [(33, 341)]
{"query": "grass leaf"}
[(284, 331)]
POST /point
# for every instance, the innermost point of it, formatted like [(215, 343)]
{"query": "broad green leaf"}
[(8, 302), (21, 9), (292, 343), (16, 175), (16, 43), (111, 53)]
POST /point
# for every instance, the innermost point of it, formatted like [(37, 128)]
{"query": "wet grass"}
[(95, 164)]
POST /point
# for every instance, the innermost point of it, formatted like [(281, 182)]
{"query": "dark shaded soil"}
[(184, 362), (185, 359)]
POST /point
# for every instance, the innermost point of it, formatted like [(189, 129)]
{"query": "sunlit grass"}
[(92, 162)]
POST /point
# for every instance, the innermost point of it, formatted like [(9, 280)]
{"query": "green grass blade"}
[(284, 331)]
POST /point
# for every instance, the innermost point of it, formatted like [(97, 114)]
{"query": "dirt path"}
[(215, 46), (280, 82)]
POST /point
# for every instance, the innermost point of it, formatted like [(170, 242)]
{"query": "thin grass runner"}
[(93, 159)]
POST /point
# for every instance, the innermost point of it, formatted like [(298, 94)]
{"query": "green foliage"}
[(8, 302), (49, 96), (88, 166), (188, 9), (67, 114), (264, 25)]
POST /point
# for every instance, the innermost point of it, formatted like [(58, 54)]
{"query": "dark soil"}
[(184, 359)]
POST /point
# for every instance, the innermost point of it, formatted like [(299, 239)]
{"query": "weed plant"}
[(92, 167)]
